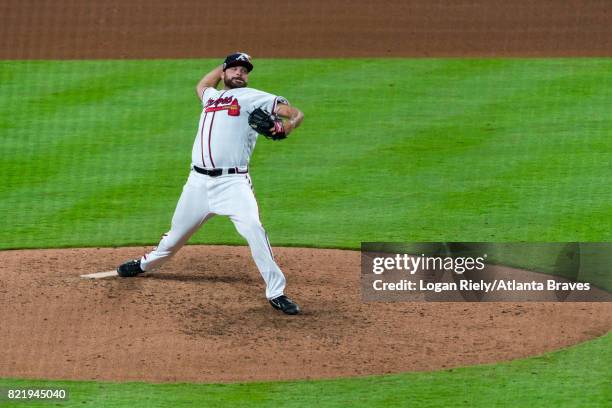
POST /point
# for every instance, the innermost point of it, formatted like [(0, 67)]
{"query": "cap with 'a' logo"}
[(238, 59)]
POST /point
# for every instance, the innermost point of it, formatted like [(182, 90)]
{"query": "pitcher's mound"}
[(204, 318)]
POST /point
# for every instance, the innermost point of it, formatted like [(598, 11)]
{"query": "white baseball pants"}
[(202, 198)]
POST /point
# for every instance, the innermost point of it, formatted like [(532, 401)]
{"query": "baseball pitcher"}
[(219, 181)]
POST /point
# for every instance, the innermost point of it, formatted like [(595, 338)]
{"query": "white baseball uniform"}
[(224, 141)]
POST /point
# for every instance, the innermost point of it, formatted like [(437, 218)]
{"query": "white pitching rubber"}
[(100, 275)]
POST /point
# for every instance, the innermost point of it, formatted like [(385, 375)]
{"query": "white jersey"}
[(224, 138)]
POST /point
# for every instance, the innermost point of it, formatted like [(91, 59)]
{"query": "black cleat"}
[(130, 269), (286, 305)]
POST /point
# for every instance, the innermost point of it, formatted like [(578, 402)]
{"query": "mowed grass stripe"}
[(96, 152)]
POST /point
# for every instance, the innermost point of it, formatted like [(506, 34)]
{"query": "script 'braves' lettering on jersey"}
[(230, 104), (224, 138)]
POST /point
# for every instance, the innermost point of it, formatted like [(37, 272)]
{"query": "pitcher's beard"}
[(234, 83)]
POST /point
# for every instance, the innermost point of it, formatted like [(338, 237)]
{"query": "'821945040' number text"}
[(34, 393)]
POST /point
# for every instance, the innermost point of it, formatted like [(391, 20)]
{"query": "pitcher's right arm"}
[(210, 80)]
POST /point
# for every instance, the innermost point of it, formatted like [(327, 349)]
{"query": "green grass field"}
[(95, 153)]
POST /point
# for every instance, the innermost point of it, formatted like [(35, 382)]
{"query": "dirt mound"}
[(204, 318)]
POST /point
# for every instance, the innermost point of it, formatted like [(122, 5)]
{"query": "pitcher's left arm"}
[(292, 117)]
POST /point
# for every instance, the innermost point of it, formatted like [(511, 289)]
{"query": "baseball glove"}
[(267, 124)]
